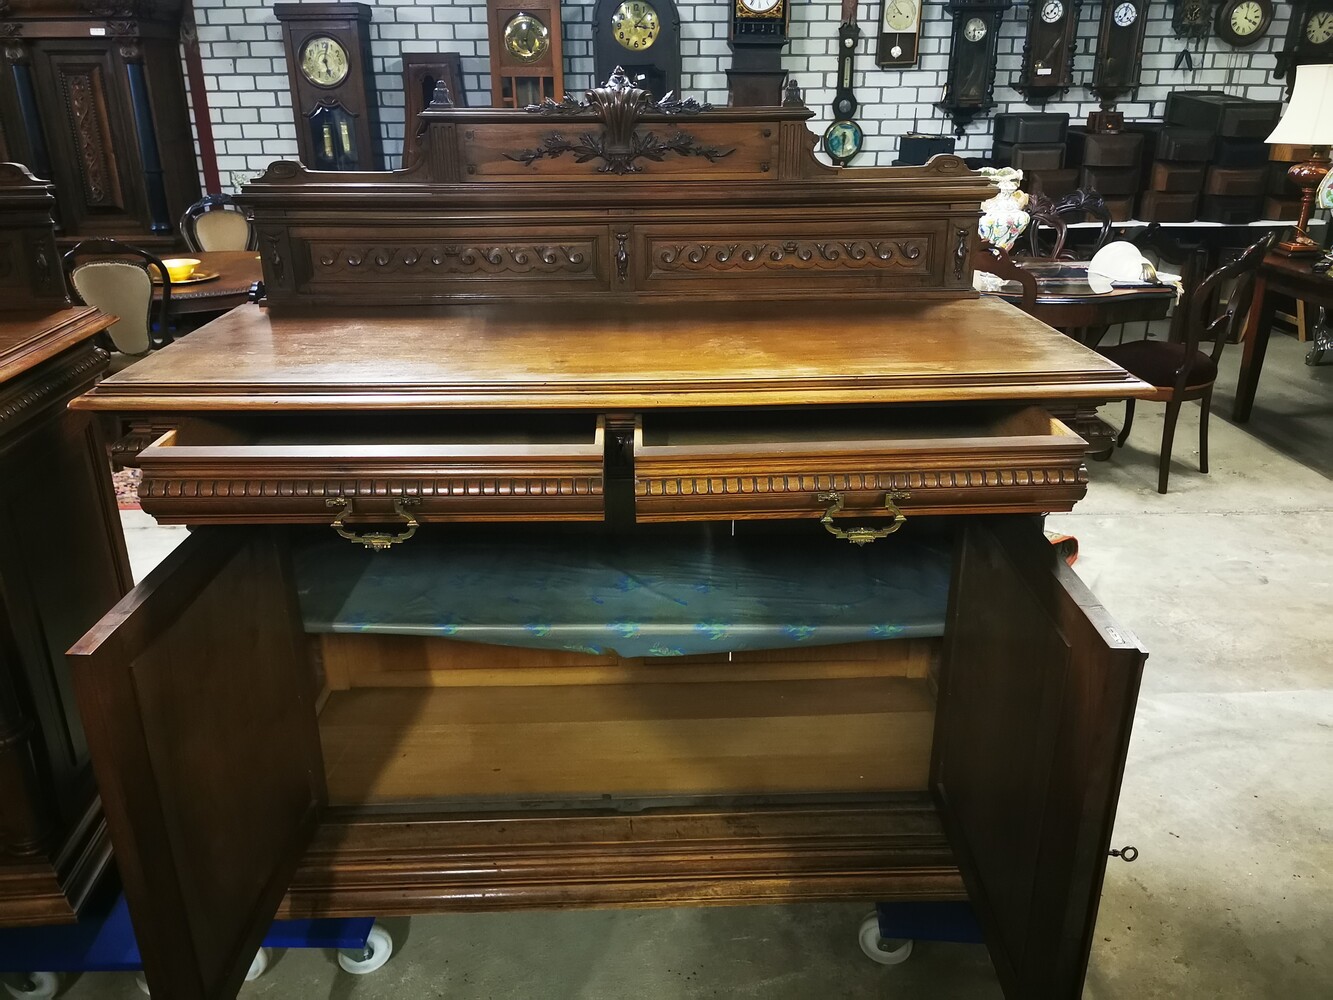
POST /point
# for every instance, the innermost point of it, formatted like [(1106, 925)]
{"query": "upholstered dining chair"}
[(1044, 212), (115, 277), (1179, 371), (216, 222)]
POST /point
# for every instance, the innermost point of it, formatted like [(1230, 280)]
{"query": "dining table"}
[(1086, 309), (236, 272)]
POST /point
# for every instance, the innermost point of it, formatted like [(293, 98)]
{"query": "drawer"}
[(1235, 183), (1111, 181), (1030, 156), (1104, 149), (206, 473), (1121, 207), (1223, 114), (1160, 206), (1231, 211), (1241, 153), (1177, 178), (1011, 128), (1052, 183), (1282, 208), (797, 259), (1189, 145), (925, 461)]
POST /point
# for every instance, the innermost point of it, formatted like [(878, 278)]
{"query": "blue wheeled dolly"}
[(886, 935), (103, 941)]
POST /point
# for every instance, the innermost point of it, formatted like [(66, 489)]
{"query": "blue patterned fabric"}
[(643, 594)]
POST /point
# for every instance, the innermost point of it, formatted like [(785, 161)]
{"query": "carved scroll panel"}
[(83, 87)]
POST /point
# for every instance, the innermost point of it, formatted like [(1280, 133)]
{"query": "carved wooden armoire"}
[(92, 98), (61, 559)]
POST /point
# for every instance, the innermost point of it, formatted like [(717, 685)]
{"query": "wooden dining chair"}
[(993, 260), (1042, 211), (115, 277), (1179, 371), (216, 222)]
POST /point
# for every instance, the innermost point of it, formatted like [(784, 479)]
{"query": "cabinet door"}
[(1036, 701), (198, 702)]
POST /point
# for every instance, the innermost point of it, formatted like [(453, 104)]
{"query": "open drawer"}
[(922, 460), (443, 469)]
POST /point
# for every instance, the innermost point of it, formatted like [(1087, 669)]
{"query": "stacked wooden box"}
[(1235, 181), (1035, 144), (1175, 169), (916, 148), (1109, 163), (1283, 198)]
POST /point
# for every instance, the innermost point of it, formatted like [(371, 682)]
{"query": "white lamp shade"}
[(1308, 120)]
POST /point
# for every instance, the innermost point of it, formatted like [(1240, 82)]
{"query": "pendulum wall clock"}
[(1309, 39), (757, 37), (899, 34), (844, 138), (1192, 18), (969, 88), (643, 38), (333, 89), (1048, 51), (527, 65), (1118, 57)]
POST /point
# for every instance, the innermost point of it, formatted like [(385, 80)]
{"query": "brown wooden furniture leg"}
[(1257, 328)]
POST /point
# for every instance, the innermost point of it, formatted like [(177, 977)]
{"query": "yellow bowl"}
[(180, 268)]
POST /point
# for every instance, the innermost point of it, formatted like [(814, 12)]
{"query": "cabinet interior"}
[(411, 718)]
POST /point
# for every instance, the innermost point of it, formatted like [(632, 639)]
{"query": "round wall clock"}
[(324, 61), (1243, 22), (1126, 14), (759, 7), (526, 38), (1319, 29), (1052, 11), (636, 25), (974, 30)]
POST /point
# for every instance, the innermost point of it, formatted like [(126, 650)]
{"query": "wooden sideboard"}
[(63, 559), (618, 324)]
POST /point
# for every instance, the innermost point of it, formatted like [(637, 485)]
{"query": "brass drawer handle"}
[(377, 540), (862, 535)]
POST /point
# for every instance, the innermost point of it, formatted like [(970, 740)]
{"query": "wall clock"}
[(1243, 22), (899, 33), (1309, 39), (1048, 51), (969, 88), (757, 36), (333, 89), (642, 37), (1192, 18), (843, 139), (1119, 54), (527, 62)]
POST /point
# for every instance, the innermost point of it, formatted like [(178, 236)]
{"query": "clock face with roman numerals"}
[(1243, 22)]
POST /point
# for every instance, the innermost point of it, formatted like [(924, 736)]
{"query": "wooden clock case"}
[(609, 318), (969, 90), (517, 84), (329, 117), (1048, 53), (656, 69), (756, 77), (92, 98), (57, 571)]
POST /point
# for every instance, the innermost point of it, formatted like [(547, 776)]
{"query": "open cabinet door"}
[(198, 700), (1036, 701)]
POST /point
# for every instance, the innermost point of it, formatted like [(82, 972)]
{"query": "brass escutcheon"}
[(376, 540), (862, 535)]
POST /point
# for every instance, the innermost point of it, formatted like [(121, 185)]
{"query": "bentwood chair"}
[(1179, 371), (1044, 212), (115, 277), (216, 222)]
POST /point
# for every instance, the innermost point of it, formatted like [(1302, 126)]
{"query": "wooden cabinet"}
[(61, 562), (92, 98), (259, 756)]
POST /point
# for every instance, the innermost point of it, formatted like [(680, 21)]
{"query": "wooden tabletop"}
[(590, 354), (30, 336), (237, 270)]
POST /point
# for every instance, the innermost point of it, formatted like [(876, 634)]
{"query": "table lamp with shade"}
[(1308, 121)]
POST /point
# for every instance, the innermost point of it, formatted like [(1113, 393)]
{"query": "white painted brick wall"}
[(244, 67)]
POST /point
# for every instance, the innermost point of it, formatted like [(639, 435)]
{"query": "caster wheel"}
[(259, 966), (885, 952), (379, 946), (39, 985)]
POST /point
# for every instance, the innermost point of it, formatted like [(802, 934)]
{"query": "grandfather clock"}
[(527, 65), (333, 88), (758, 35)]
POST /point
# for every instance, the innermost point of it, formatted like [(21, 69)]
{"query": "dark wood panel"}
[(198, 701), (1037, 694)]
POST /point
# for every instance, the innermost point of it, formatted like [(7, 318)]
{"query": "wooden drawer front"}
[(422, 265), (1015, 461), (790, 259), (294, 483)]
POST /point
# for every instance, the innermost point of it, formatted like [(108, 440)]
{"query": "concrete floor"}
[(1228, 793)]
